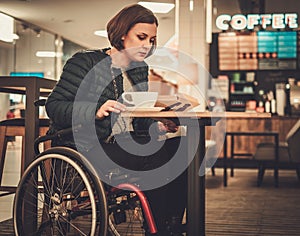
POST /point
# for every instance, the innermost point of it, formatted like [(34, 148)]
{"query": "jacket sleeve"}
[(60, 103)]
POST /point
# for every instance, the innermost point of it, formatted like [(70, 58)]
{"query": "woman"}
[(105, 74)]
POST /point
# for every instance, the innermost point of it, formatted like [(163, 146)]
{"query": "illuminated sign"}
[(240, 22), (34, 74)]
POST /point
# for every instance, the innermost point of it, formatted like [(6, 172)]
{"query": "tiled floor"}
[(10, 177)]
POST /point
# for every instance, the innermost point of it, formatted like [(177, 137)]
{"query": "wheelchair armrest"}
[(61, 134), (40, 102)]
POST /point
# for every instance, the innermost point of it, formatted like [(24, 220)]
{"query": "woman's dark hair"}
[(123, 21)]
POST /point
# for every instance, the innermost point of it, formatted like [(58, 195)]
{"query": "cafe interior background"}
[(44, 34)]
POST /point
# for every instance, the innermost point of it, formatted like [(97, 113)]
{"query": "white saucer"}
[(144, 108)]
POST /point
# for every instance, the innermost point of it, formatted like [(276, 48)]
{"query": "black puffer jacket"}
[(85, 84)]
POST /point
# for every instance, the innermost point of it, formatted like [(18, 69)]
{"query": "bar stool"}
[(288, 155), (16, 127)]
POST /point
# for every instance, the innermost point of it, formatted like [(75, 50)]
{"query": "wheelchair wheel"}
[(125, 215), (59, 194)]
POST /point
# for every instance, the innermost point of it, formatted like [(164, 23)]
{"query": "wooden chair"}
[(288, 154), (16, 127), (211, 154)]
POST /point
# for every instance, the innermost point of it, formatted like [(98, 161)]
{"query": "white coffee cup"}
[(140, 99)]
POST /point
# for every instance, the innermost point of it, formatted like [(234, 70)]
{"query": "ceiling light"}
[(15, 36), (191, 5), (158, 7), (38, 32), (101, 33), (48, 54), (6, 28), (208, 21)]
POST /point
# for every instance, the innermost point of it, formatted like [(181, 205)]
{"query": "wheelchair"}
[(61, 194)]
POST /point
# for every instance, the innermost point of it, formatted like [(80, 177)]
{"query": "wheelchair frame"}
[(47, 200)]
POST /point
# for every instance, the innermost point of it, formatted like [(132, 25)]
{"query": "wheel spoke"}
[(56, 204)]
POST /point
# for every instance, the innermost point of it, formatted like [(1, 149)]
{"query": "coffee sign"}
[(241, 22)]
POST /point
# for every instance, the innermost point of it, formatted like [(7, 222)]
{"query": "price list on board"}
[(263, 50), (277, 50), (237, 51), (228, 51)]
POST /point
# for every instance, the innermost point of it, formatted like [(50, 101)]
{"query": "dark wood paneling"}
[(246, 144)]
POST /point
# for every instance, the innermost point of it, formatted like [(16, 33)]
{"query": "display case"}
[(242, 89)]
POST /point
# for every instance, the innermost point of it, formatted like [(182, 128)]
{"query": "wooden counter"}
[(280, 124)]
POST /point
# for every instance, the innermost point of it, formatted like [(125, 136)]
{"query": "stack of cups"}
[(281, 98)]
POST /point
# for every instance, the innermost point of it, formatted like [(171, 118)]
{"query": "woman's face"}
[(139, 40)]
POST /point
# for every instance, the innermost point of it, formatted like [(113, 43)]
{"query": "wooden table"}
[(33, 88), (196, 183)]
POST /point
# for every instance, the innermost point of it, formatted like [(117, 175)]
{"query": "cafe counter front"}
[(246, 144)]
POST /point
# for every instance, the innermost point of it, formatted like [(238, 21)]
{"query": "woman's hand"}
[(109, 106), (167, 126)]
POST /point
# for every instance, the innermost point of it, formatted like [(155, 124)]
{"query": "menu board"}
[(281, 44), (228, 51), (264, 50), (277, 50), (237, 51), (267, 42), (287, 45), (247, 51)]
